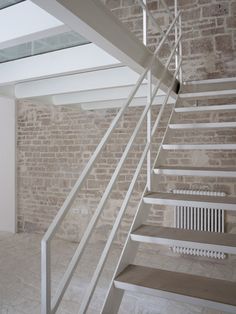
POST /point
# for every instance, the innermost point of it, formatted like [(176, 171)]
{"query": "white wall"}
[(7, 165)]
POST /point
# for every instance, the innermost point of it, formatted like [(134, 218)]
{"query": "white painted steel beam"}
[(25, 22), (117, 103), (88, 81), (103, 95), (61, 62), (97, 23)]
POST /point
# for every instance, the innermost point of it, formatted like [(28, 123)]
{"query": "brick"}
[(112, 4), (202, 45), (54, 143), (215, 10), (193, 14), (213, 31), (223, 43), (233, 8), (231, 22)]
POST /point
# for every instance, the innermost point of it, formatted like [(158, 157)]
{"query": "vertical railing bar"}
[(222, 220), (145, 23), (205, 219), (176, 35), (149, 131), (184, 216), (219, 217), (45, 278), (216, 216), (202, 219), (209, 219), (149, 96), (187, 208), (180, 50)]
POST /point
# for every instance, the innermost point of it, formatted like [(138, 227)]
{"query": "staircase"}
[(197, 290)]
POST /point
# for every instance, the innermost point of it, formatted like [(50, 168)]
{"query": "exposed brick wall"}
[(54, 145), (209, 33)]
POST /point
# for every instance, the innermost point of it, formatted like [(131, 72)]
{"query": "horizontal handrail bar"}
[(75, 259), (124, 205)]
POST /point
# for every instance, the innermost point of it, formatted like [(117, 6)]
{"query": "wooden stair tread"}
[(199, 146), (183, 237), (206, 108), (220, 202), (208, 86), (208, 89), (168, 284), (206, 125)]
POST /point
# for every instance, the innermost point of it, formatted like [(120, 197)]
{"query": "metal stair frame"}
[(115, 294), (50, 306)]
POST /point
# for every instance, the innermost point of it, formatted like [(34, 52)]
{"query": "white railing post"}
[(45, 278), (149, 131), (176, 36), (180, 49), (145, 23), (149, 96)]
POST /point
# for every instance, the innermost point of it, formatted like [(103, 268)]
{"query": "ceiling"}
[(41, 57)]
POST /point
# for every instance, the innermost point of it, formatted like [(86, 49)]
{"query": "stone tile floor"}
[(20, 277)]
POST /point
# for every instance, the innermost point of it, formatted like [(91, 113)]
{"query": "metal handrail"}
[(101, 263), (74, 262), (136, 222), (49, 307)]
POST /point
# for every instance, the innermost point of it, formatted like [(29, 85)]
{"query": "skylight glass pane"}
[(6, 3), (48, 44)]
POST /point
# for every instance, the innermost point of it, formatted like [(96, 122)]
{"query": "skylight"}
[(39, 33), (48, 44), (6, 3)]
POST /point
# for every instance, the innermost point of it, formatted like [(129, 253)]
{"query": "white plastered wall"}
[(7, 165)]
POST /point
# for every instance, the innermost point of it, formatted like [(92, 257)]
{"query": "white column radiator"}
[(201, 219)]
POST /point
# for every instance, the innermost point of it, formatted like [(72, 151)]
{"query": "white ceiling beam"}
[(117, 103), (100, 95), (113, 77), (66, 61), (97, 23), (22, 23)]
